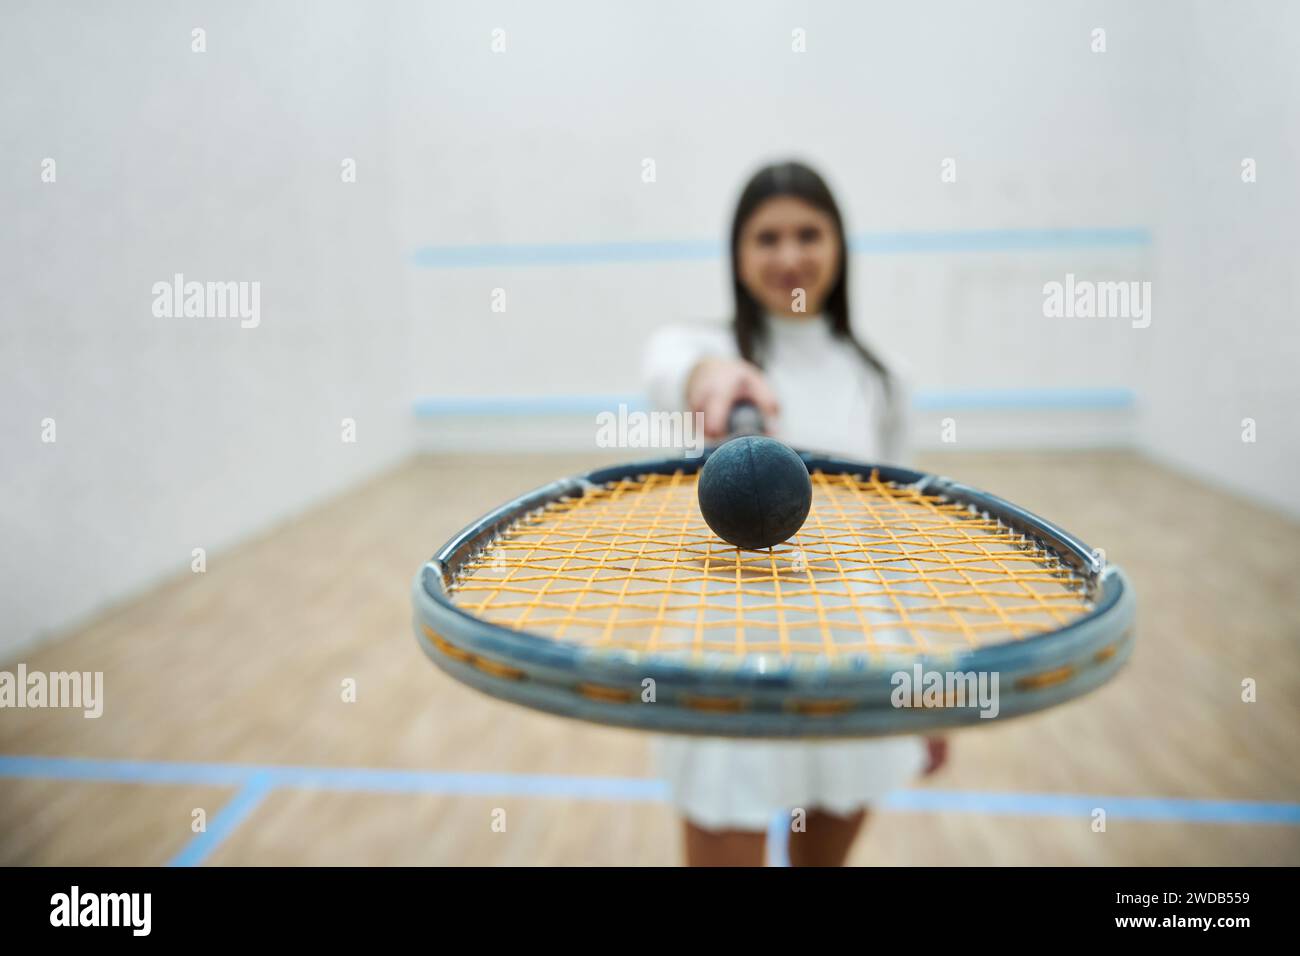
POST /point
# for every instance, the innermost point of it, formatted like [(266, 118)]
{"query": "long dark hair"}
[(797, 180)]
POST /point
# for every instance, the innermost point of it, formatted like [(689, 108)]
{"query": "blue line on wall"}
[(696, 250), (1026, 399), (439, 406), (1018, 399)]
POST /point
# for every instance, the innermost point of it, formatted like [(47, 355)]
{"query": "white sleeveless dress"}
[(832, 402)]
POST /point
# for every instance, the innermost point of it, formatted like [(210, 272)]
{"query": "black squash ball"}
[(754, 492)]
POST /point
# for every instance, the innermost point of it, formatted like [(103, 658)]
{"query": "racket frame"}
[(763, 696)]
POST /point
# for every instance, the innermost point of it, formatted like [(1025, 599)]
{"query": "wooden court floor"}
[(223, 693)]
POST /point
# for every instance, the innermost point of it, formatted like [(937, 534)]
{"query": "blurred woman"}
[(789, 349)]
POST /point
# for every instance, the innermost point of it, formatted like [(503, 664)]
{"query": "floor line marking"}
[(624, 789)]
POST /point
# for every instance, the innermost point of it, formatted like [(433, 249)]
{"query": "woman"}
[(791, 351)]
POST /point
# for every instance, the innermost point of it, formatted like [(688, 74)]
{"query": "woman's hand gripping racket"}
[(906, 602)]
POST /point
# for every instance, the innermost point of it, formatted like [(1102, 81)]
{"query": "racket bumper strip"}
[(494, 668), (613, 695), (716, 705), (821, 708), (1049, 678)]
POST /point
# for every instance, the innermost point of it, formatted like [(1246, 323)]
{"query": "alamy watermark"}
[(132, 911), (1085, 299), (208, 300), (59, 689), (636, 429), (945, 689)]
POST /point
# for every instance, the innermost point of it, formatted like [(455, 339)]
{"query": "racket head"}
[(768, 693)]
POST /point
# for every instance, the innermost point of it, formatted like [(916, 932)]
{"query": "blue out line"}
[(127, 771), (1157, 809), (695, 250), (227, 821), (778, 839), (256, 780), (622, 789), (163, 773), (1015, 399)]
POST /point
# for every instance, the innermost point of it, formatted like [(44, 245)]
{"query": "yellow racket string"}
[(877, 569)]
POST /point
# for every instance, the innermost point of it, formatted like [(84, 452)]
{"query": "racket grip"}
[(744, 419)]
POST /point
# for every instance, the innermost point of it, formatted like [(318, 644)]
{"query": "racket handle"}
[(744, 419)]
